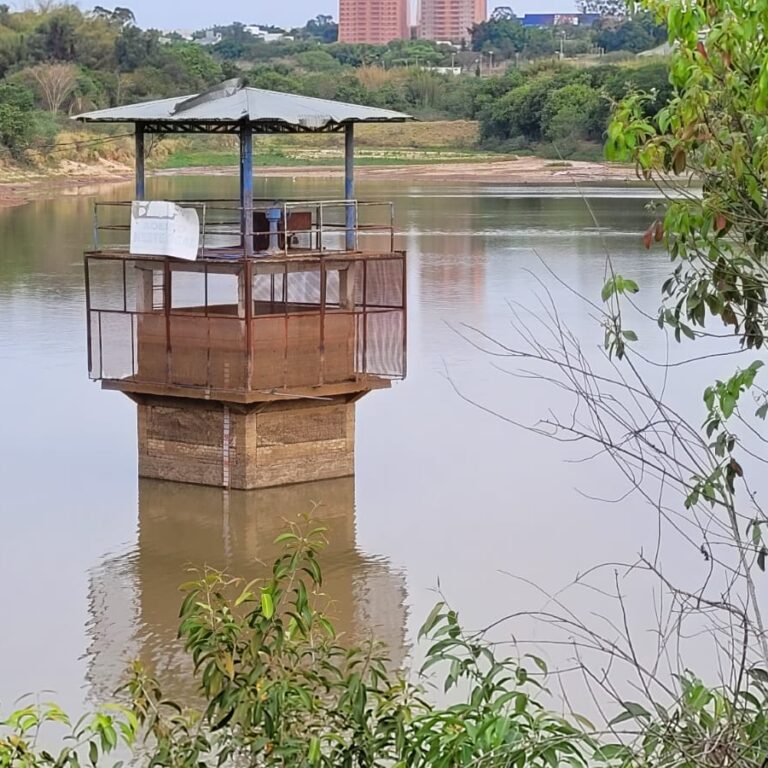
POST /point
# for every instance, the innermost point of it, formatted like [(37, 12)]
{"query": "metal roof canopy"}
[(230, 108), (227, 107)]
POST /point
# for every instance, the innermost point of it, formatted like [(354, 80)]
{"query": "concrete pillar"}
[(245, 447)]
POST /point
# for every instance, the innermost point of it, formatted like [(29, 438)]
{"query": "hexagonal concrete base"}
[(245, 446)]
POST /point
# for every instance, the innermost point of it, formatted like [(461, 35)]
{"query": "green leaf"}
[(728, 405), (314, 751), (434, 617), (588, 725), (688, 331), (267, 604), (632, 711), (612, 752), (539, 662)]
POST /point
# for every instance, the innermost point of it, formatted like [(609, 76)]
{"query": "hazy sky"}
[(195, 14)]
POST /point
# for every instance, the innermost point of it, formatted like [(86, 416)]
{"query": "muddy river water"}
[(90, 556)]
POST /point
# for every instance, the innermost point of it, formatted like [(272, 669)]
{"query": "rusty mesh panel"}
[(119, 291), (294, 341), (121, 284), (268, 291), (204, 352), (332, 287), (269, 351), (188, 290), (304, 287), (381, 343), (113, 350), (379, 283), (106, 284), (223, 293)]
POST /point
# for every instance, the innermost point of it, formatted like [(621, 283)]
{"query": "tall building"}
[(450, 19), (373, 21)]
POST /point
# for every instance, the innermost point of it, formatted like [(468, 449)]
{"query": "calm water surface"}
[(90, 557)]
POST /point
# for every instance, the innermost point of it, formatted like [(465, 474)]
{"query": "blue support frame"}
[(349, 185), (246, 188)]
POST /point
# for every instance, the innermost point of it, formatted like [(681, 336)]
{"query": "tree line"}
[(60, 60)]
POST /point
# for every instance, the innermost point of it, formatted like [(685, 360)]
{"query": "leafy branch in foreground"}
[(715, 130), (94, 738), (279, 688)]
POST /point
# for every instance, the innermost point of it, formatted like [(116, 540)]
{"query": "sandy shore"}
[(77, 179)]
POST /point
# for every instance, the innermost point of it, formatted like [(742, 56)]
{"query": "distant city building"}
[(559, 19), (260, 33), (450, 19), (444, 70), (209, 38), (375, 22), (180, 34)]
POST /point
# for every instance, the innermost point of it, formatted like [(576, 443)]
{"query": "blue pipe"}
[(140, 185), (246, 187), (349, 184)]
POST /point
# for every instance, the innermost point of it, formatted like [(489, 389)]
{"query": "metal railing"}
[(304, 226)]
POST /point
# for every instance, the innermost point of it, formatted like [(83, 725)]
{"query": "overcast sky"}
[(196, 14)]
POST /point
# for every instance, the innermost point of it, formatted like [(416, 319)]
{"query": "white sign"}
[(160, 228)]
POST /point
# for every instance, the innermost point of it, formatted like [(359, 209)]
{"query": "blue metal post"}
[(246, 188), (140, 188), (349, 184)]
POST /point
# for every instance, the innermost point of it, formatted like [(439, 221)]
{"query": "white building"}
[(210, 38), (262, 34)]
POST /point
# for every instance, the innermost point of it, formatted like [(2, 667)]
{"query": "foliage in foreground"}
[(280, 689)]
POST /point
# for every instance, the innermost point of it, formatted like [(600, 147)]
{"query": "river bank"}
[(85, 179)]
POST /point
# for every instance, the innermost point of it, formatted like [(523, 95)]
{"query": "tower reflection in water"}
[(135, 598)]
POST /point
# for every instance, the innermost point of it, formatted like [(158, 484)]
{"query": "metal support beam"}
[(246, 187), (349, 184), (140, 187)]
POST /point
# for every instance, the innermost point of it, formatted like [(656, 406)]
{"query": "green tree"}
[(55, 38), (322, 28), (200, 68), (636, 33), (134, 47), (503, 36), (519, 113), (540, 42), (96, 40), (317, 61), (12, 49), (16, 124), (572, 113)]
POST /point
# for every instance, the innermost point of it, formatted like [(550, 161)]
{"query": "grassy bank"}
[(86, 151), (312, 158), (401, 144)]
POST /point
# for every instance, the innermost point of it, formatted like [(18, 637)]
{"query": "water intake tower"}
[(245, 330)]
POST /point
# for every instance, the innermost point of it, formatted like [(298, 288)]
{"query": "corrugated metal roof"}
[(230, 103)]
